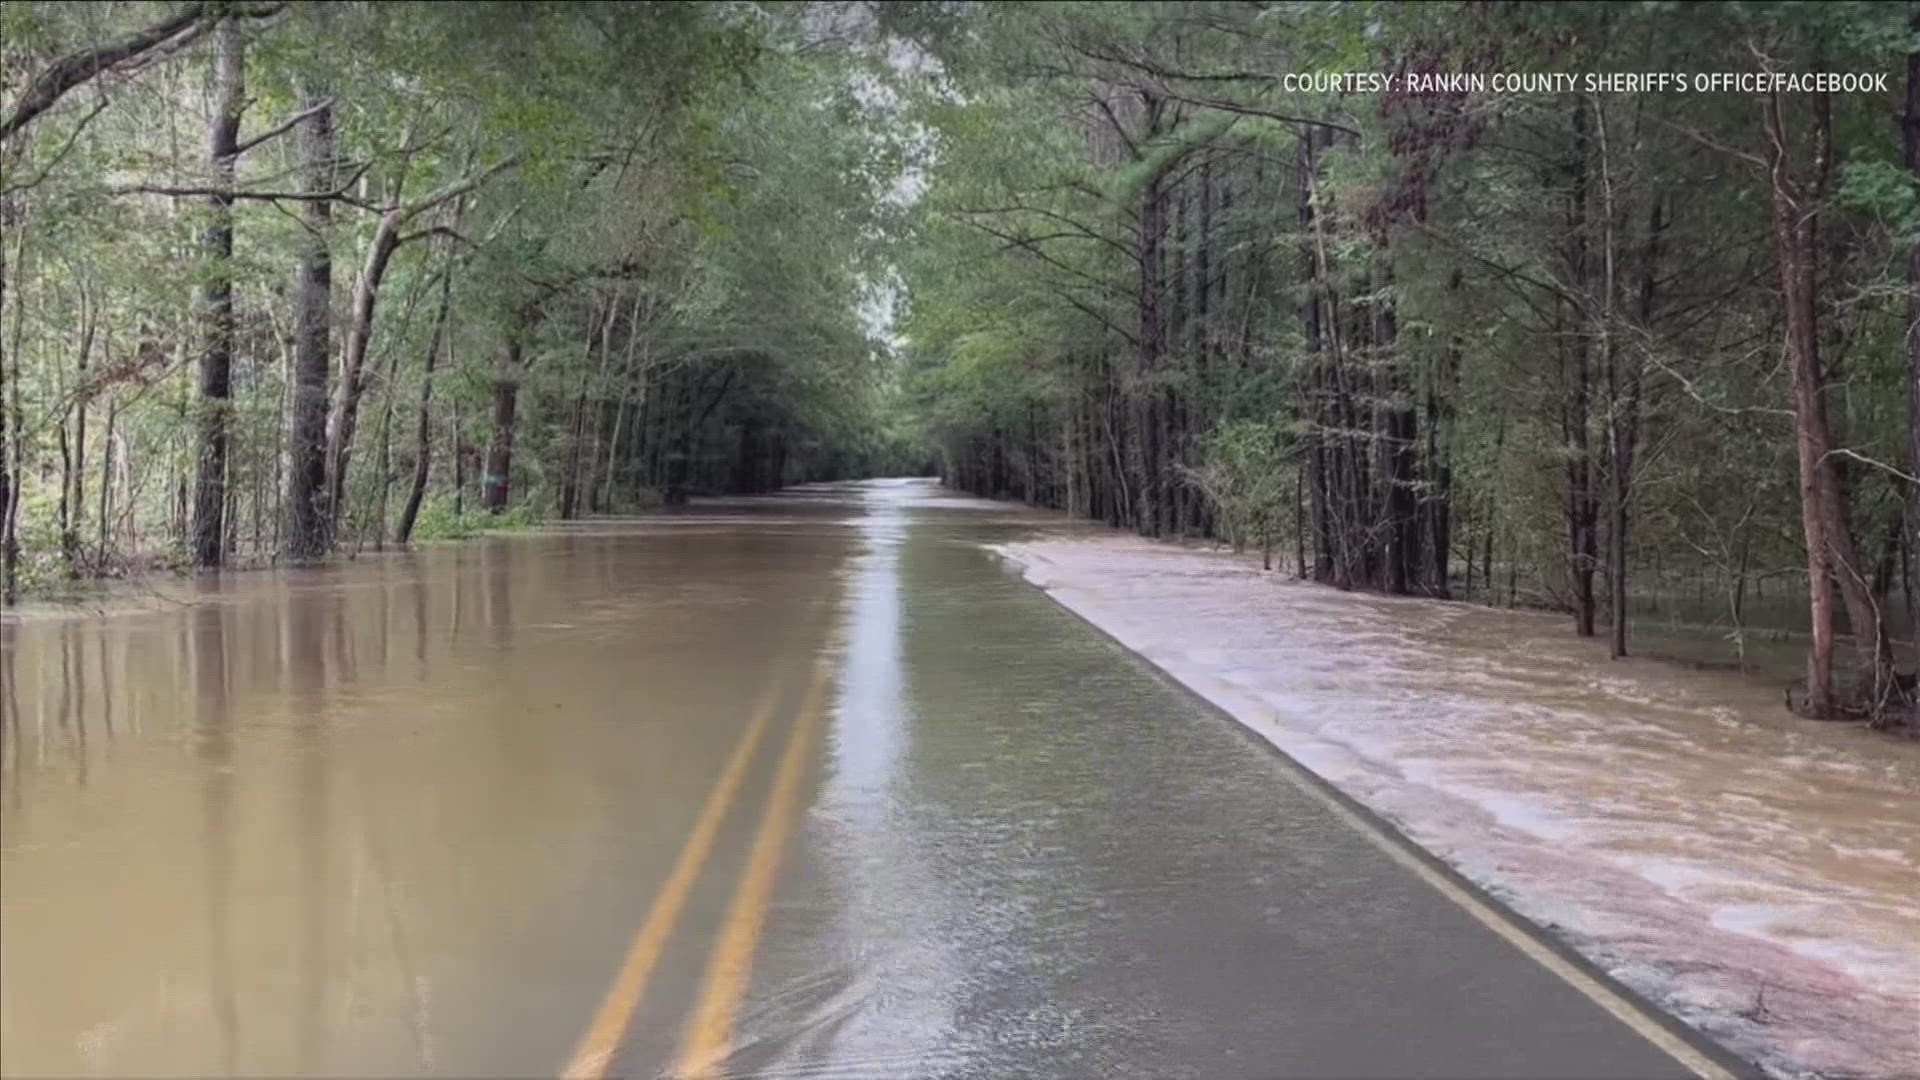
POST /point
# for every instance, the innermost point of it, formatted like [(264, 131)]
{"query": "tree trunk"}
[(609, 412), (353, 366), (1619, 493), (1318, 462), (9, 551), (77, 499), (600, 329), (423, 428), (1582, 504), (384, 480), (626, 425), (459, 460), (104, 526), (495, 483), (576, 437), (1438, 504), (1339, 436), (1400, 423), (1910, 130), (1299, 524), (216, 300), (309, 530), (1180, 357), (1493, 518), (1626, 374), (1810, 442), (1165, 396), (1201, 420), (606, 445), (255, 497), (62, 516), (1825, 510), (1143, 419)]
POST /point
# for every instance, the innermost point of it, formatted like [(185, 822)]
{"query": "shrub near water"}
[(438, 521)]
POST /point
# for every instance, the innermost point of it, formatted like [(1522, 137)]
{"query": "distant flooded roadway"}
[(800, 785)]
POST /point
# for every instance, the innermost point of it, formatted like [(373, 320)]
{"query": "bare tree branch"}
[(1872, 463), (458, 187), (1077, 228), (281, 128), (1705, 140), (76, 68), (1224, 105), (338, 194), (435, 230)]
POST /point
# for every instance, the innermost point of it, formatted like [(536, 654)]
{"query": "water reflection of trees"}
[(213, 738), (9, 722), (313, 628)]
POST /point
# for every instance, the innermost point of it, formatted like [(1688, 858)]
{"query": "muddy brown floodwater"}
[(799, 785), (376, 816)]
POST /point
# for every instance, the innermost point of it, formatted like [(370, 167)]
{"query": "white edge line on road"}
[(1624, 1009)]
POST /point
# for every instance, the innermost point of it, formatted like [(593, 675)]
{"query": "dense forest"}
[(286, 279), (1564, 344)]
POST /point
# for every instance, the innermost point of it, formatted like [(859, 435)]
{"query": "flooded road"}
[(1756, 873), (803, 785)]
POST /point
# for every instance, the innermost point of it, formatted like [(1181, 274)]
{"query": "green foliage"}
[(1246, 471), (439, 522), (671, 214), (1087, 164), (1886, 191)]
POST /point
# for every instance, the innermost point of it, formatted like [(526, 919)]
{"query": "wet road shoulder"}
[(1698, 1054)]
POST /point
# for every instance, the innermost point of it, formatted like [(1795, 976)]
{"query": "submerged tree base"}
[(1856, 697)]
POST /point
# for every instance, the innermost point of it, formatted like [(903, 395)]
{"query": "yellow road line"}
[(597, 1047), (710, 1031)]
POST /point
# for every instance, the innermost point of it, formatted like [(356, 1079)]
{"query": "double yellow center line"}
[(708, 1034)]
